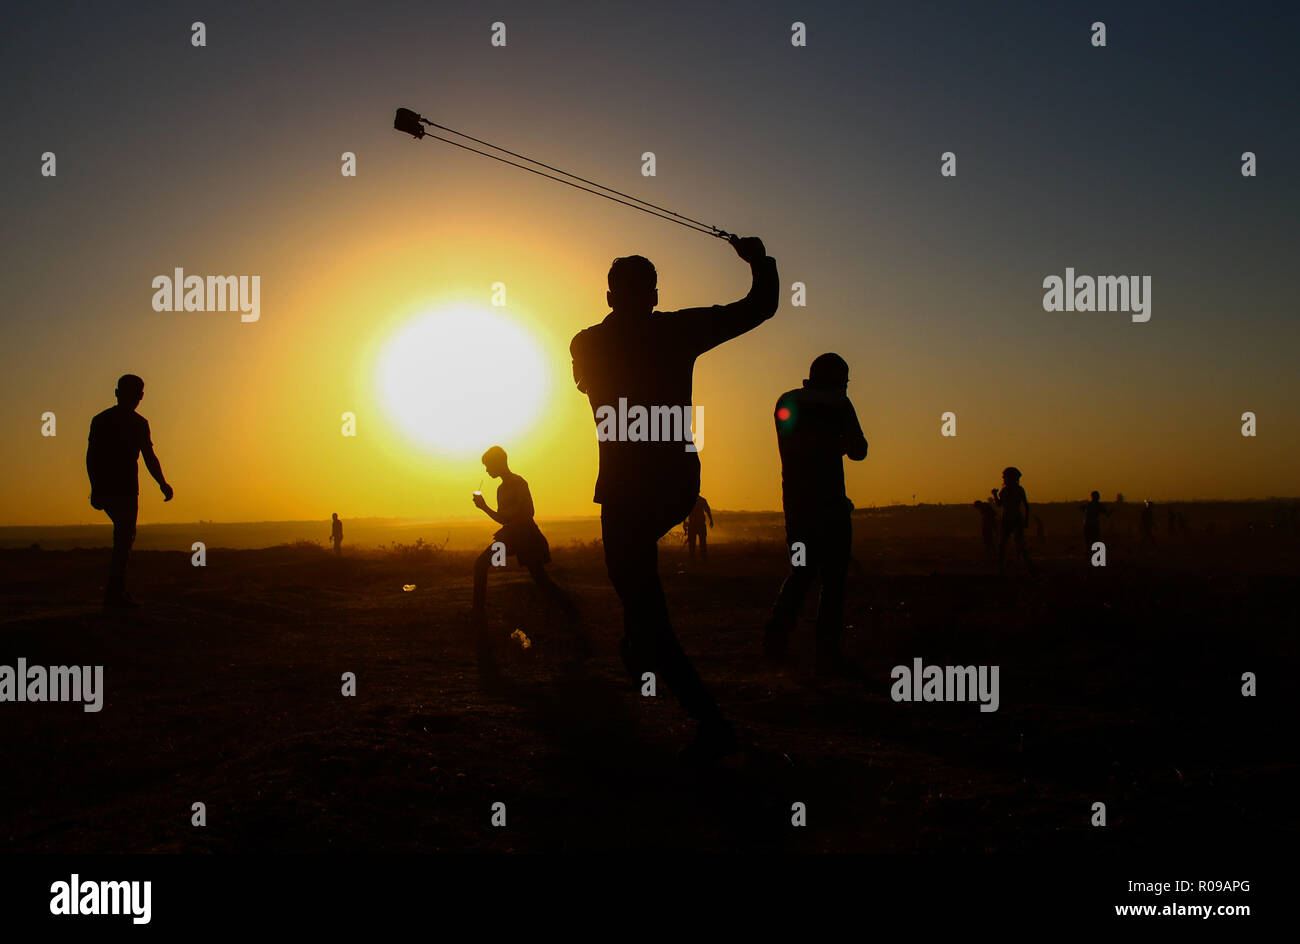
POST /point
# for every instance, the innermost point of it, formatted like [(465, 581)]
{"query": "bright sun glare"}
[(460, 379)]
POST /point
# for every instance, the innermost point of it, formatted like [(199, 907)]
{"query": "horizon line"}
[(728, 511)]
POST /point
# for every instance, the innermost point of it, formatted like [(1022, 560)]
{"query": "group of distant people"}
[(1175, 523), (1012, 522)]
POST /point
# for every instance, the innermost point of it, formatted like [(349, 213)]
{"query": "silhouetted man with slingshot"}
[(639, 357)]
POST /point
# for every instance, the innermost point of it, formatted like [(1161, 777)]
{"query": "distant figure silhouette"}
[(645, 488), (519, 533), (816, 426), (988, 525), (1148, 523), (1015, 515), (336, 534), (1092, 512), (118, 436), (695, 529)]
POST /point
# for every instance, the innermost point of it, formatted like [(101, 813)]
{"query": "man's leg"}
[(704, 544), (649, 644), (690, 543), (1024, 551), (550, 589), (481, 566), (835, 550), (789, 601), (122, 510)]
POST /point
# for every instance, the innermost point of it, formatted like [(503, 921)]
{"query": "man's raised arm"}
[(709, 327)]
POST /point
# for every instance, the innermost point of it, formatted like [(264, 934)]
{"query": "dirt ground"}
[(1119, 685)]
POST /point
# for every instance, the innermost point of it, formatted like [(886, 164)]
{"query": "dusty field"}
[(1121, 686)]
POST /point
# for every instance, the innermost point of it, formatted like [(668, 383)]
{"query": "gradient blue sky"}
[(1122, 160)]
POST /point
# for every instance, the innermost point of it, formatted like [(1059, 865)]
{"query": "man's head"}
[(494, 460), (1011, 475), (336, 516), (130, 390), (633, 285), (1096, 496), (828, 372)]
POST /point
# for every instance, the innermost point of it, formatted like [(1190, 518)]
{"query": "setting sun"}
[(456, 380)]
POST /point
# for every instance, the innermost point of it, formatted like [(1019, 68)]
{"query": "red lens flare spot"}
[(783, 413)]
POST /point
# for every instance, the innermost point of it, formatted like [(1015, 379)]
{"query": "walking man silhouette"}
[(646, 486), (336, 533), (518, 536), (695, 529), (118, 436), (816, 426), (1092, 512)]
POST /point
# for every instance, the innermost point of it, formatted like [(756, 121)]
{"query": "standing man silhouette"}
[(118, 436), (336, 534), (695, 529), (645, 358), (1014, 503), (816, 427)]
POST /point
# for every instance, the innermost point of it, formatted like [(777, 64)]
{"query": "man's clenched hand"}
[(749, 248)]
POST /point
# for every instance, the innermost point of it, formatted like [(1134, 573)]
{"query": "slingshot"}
[(414, 125)]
